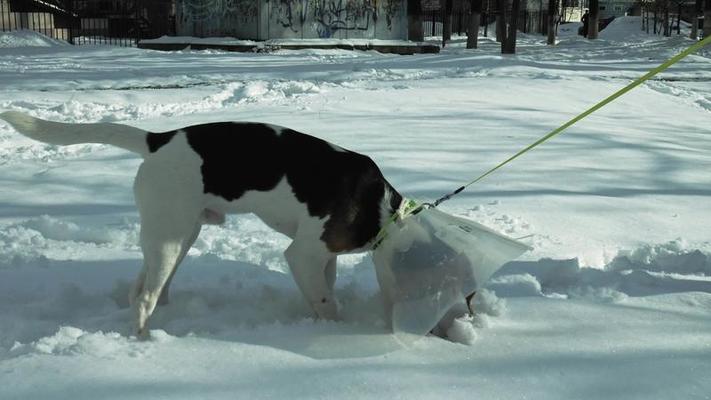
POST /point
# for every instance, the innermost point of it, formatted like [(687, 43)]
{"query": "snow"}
[(27, 39), (275, 42), (614, 300)]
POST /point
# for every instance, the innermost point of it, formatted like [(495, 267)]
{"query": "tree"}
[(552, 15), (593, 19), (707, 19), (415, 31), (695, 19), (474, 20), (500, 20), (508, 45), (667, 26), (447, 21)]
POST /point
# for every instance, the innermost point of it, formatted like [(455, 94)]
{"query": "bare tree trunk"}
[(707, 19), (446, 21), (655, 20), (695, 19), (667, 25), (487, 18), (508, 46), (474, 21), (501, 20), (552, 13), (594, 18), (415, 30)]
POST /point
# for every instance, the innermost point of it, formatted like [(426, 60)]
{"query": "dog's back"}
[(284, 176)]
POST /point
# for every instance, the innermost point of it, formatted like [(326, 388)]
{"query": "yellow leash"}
[(693, 48), (412, 207)]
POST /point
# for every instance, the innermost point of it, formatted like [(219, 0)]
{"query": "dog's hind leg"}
[(164, 299), (165, 238), (170, 217), (207, 217), (314, 271)]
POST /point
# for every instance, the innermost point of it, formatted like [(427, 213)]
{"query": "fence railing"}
[(528, 22), (94, 22)]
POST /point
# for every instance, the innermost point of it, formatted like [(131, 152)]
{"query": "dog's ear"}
[(469, 299)]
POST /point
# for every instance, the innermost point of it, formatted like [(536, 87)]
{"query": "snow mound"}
[(516, 285), (27, 39), (671, 257), (55, 229), (647, 270), (74, 341), (230, 95), (623, 29), (462, 330), (25, 243)]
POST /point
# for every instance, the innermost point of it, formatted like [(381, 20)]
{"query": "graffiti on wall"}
[(204, 10), (263, 19), (332, 16), (291, 14)]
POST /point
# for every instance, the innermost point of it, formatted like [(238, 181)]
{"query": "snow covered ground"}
[(613, 302)]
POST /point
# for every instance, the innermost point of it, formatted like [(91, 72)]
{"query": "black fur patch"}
[(157, 140), (347, 186)]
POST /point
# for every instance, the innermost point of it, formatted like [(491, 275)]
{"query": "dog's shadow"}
[(248, 303), (210, 298)]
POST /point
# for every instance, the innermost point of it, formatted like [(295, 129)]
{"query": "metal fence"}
[(528, 21), (95, 22)]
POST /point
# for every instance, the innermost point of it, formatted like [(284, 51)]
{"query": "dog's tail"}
[(123, 136)]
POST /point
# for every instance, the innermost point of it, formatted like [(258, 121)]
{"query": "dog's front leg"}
[(314, 270)]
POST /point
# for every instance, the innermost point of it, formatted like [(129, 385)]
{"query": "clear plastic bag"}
[(430, 261)]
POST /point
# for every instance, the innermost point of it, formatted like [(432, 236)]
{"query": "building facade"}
[(293, 19)]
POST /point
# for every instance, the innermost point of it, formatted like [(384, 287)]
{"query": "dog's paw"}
[(142, 334), (326, 309)]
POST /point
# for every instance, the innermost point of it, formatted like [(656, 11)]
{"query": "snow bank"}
[(231, 95), (197, 40), (672, 257), (16, 39)]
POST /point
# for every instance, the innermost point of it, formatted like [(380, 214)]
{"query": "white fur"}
[(169, 195), (123, 136)]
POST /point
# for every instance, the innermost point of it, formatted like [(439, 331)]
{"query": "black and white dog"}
[(328, 200)]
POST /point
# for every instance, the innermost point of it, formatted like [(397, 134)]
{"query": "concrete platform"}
[(229, 44)]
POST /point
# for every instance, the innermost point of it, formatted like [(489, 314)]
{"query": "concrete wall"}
[(298, 19)]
